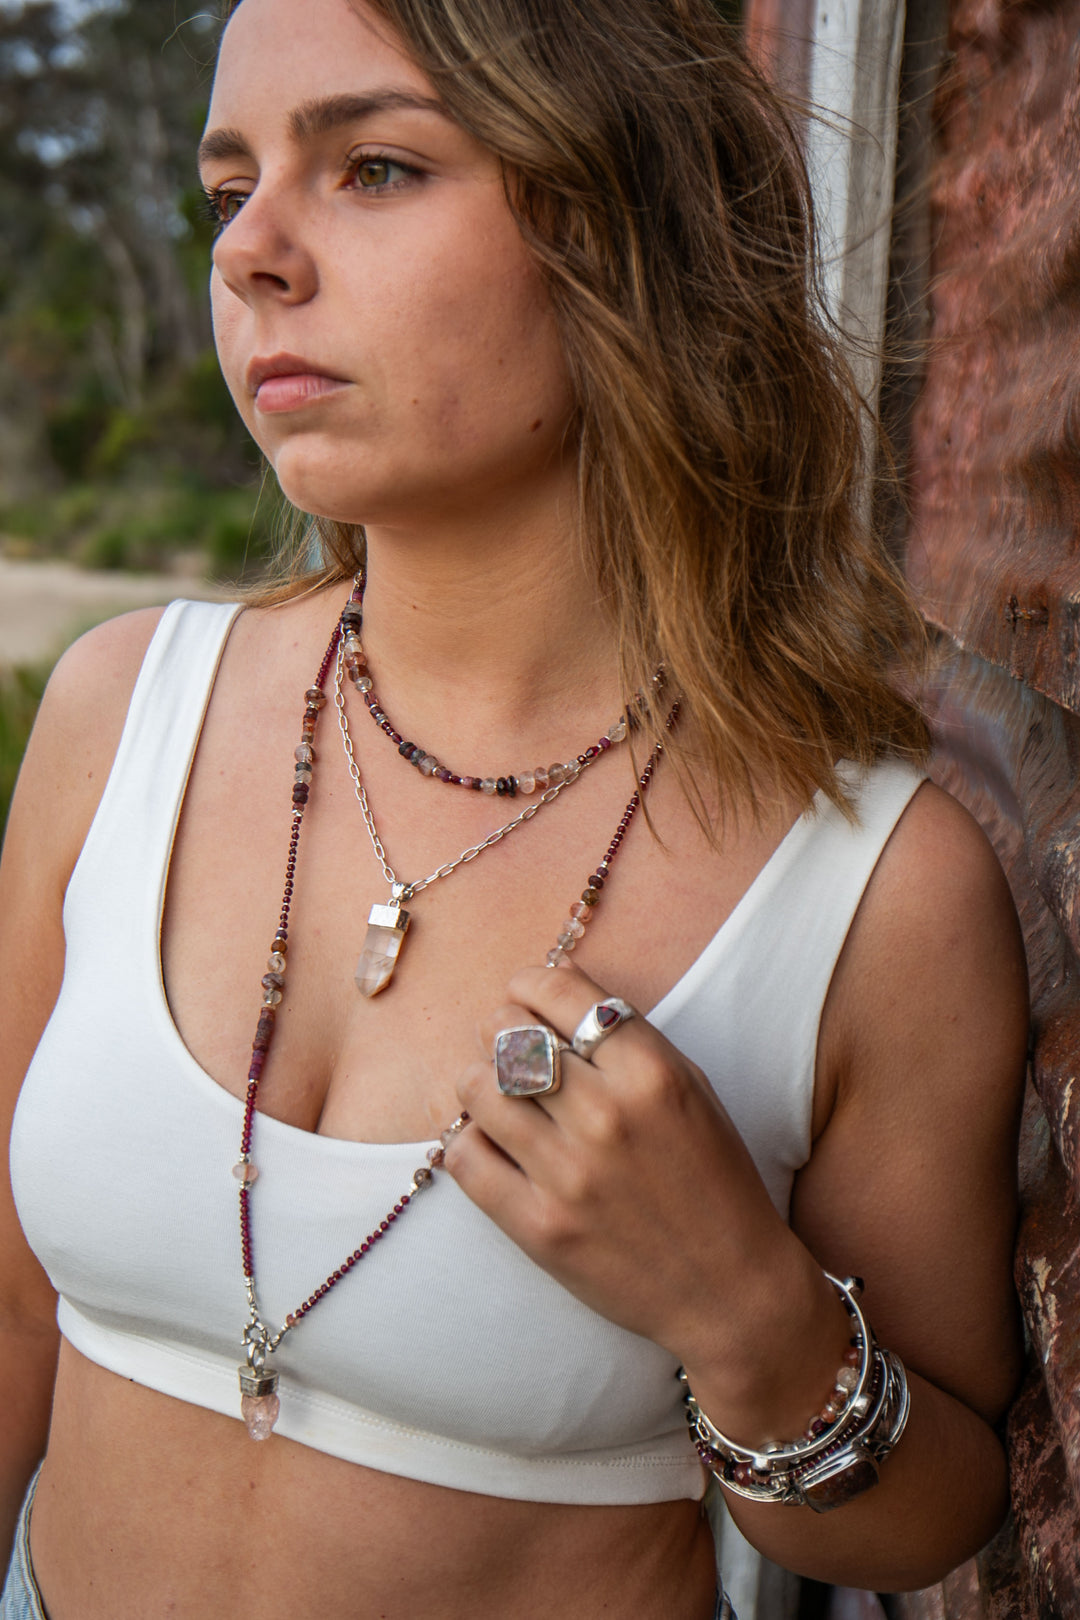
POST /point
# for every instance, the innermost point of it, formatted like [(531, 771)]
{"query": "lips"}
[(285, 381), (262, 368)]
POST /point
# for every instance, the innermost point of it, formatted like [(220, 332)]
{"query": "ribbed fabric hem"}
[(663, 1470)]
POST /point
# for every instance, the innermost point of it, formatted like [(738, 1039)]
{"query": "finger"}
[(511, 1015), (483, 1171), (532, 1215), (517, 1126), (562, 999), (590, 1105)]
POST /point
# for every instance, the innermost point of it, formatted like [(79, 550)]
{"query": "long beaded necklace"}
[(259, 1400)]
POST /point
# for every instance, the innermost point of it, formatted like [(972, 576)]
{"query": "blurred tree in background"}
[(118, 441), (119, 446)]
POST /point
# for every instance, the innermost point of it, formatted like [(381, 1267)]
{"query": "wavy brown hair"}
[(723, 456)]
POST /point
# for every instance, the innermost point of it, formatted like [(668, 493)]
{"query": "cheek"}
[(474, 341)]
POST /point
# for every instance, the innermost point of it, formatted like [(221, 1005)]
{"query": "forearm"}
[(942, 1490), (941, 1495), (27, 1374)]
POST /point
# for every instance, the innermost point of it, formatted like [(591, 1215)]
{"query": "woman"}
[(521, 290)]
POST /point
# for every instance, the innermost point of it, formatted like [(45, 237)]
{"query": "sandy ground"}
[(45, 605)]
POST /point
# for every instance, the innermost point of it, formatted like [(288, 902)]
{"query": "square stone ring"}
[(528, 1060)]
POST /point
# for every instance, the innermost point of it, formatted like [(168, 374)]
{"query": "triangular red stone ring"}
[(602, 1019), (527, 1060)]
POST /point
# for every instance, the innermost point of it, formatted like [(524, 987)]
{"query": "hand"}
[(633, 1188)]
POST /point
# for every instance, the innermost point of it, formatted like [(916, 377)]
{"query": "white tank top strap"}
[(133, 829), (749, 1009), (801, 910)]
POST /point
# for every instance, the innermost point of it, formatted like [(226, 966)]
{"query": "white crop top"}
[(448, 1356)]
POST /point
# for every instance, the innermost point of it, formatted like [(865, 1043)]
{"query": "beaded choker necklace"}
[(354, 661), (259, 1401)]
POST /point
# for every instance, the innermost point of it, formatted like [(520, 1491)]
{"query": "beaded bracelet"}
[(837, 1459)]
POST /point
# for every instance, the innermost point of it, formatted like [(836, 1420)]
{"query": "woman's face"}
[(384, 332)]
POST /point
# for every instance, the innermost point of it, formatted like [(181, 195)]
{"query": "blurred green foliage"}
[(119, 444), (143, 525), (20, 694)]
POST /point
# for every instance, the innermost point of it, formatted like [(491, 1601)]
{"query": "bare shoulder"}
[(935, 957), (939, 864), (91, 685), (936, 933), (96, 675), (76, 733)]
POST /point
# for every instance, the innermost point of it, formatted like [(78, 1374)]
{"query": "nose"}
[(263, 253)]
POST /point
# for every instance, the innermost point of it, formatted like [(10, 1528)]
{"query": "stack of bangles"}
[(844, 1445)]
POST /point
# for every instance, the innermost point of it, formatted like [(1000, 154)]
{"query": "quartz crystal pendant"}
[(387, 926), (259, 1404), (260, 1413)]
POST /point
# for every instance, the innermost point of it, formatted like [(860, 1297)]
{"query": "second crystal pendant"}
[(259, 1403), (387, 927)]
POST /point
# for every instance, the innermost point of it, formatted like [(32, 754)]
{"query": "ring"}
[(527, 1060), (602, 1019)]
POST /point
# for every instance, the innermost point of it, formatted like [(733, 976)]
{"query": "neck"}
[(499, 618)]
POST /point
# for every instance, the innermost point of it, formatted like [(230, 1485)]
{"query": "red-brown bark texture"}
[(993, 550)]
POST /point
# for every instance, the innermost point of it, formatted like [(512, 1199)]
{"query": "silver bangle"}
[(834, 1466), (765, 1459), (853, 1467)]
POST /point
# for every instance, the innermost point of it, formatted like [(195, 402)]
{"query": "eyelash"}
[(219, 197)]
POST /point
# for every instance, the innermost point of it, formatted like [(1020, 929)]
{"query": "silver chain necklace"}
[(388, 923)]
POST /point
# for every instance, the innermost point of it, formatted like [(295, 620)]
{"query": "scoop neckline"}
[(675, 994)]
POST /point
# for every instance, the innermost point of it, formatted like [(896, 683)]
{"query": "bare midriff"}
[(150, 1506)]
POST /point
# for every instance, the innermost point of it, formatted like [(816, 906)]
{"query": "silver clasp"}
[(256, 1341)]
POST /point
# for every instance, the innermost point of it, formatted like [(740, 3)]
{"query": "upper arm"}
[(66, 765), (912, 1181)]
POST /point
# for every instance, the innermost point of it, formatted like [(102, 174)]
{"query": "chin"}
[(322, 484)]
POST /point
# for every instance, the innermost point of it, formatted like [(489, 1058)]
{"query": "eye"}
[(374, 172), (223, 205)]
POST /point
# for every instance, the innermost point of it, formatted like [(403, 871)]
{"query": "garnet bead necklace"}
[(582, 911), (259, 1401)]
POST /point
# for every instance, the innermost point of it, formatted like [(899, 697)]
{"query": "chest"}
[(384, 1068)]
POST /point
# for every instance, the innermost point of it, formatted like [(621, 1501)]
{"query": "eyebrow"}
[(319, 117)]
